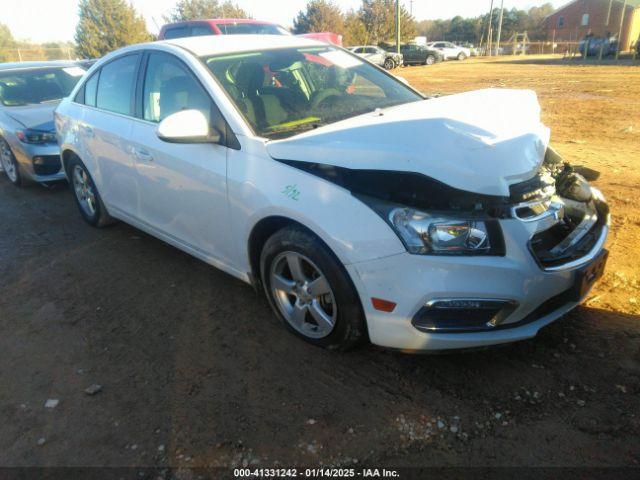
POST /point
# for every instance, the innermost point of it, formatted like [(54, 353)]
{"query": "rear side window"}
[(90, 90), (176, 32), (170, 87), (116, 85), (251, 29), (200, 30)]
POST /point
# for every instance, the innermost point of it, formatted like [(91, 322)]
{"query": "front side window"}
[(37, 85), (170, 87), (116, 84), (285, 91)]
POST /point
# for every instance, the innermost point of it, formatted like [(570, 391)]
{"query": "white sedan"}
[(362, 209), (451, 51)]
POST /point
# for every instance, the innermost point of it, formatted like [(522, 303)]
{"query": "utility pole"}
[(624, 9), (490, 31), (398, 26), (499, 27)]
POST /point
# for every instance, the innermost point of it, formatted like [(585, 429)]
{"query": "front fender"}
[(261, 187)]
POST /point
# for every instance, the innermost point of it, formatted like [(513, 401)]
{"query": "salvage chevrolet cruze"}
[(363, 209)]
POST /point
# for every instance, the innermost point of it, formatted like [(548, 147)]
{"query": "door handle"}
[(143, 155)]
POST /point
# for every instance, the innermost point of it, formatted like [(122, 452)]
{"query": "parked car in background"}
[(362, 209), (473, 50), (378, 56), (451, 50), (607, 45), (29, 93), (326, 37), (420, 55), (220, 26)]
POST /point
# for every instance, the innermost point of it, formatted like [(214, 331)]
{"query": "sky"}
[(55, 20)]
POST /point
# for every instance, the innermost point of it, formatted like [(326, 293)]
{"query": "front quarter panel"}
[(261, 187)]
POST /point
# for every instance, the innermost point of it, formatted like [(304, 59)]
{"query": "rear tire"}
[(10, 165), (86, 194), (310, 290), (430, 60)]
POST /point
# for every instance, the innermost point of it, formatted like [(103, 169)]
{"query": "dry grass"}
[(594, 114)]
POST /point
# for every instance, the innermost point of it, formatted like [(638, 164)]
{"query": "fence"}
[(35, 53), (567, 49)]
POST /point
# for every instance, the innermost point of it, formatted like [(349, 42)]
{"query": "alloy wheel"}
[(8, 164), (303, 295), (84, 191)]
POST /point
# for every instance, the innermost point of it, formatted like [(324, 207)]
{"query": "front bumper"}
[(413, 281), (38, 162)]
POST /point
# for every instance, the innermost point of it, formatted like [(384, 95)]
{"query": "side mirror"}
[(187, 126)]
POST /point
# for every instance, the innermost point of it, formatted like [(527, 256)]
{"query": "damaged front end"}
[(564, 216), (571, 216)]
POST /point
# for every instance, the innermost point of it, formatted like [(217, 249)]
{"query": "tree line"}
[(105, 25), (473, 30)]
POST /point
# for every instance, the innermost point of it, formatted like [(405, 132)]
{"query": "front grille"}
[(555, 246), (45, 165)]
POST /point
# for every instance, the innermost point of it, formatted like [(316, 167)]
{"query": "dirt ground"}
[(196, 371)]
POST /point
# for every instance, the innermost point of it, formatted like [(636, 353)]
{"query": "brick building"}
[(578, 18)]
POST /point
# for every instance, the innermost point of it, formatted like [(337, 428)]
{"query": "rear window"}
[(37, 85)]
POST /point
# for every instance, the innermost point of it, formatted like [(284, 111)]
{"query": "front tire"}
[(389, 64), (310, 291), (86, 195), (430, 60), (462, 56), (10, 164)]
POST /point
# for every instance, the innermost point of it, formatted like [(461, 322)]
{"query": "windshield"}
[(283, 92), (251, 29), (37, 85)]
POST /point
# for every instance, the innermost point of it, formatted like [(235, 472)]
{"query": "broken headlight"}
[(427, 234)]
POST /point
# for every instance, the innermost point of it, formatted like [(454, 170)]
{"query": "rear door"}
[(183, 187), (107, 129)]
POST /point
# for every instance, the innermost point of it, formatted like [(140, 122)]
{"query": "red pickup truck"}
[(220, 26)]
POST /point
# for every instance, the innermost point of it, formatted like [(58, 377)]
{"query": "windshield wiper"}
[(294, 129)]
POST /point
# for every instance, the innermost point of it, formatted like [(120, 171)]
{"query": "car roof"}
[(221, 44), (44, 64)]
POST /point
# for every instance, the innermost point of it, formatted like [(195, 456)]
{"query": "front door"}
[(183, 186)]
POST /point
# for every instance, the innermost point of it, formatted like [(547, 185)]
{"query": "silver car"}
[(29, 93)]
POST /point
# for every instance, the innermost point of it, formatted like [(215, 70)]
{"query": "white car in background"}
[(362, 209), (451, 51), (378, 56)]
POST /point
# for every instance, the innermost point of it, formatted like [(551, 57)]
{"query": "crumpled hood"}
[(36, 117), (480, 141)]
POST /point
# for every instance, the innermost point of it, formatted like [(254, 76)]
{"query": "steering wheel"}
[(323, 95)]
